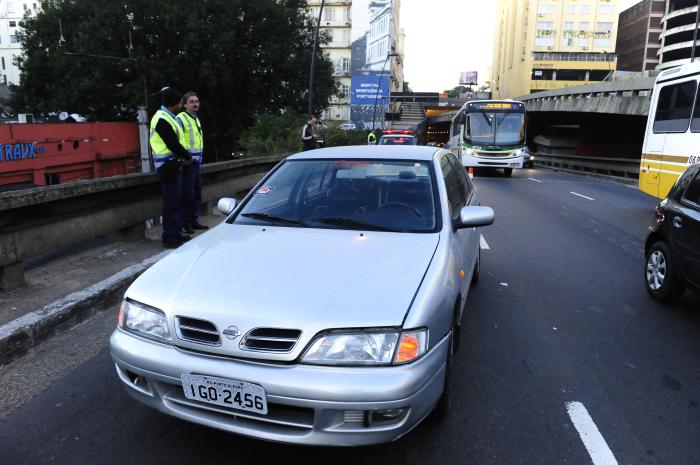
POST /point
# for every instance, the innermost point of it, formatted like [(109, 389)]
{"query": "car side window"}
[(454, 196), (692, 193), (462, 178)]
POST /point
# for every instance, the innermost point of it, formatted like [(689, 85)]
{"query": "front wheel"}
[(443, 405), (507, 172), (661, 281)]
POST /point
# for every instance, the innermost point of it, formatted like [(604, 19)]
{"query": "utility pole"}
[(313, 60)]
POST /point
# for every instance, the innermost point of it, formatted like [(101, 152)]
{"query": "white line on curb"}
[(483, 243), (580, 195), (58, 306), (533, 179), (595, 443)]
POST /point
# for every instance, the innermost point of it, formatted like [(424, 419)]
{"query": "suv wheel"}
[(507, 172), (660, 278)]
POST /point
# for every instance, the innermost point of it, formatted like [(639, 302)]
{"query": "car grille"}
[(199, 331), (270, 339), (280, 418)]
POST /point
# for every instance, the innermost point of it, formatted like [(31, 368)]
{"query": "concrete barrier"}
[(623, 168), (37, 221)]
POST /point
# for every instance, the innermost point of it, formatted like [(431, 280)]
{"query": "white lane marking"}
[(483, 243), (595, 443), (581, 195), (533, 179)]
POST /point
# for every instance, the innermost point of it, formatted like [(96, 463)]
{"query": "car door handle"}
[(677, 222)]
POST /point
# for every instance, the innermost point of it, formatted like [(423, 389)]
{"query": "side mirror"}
[(226, 205), (473, 217)]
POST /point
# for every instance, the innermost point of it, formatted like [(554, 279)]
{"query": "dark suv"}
[(672, 249)]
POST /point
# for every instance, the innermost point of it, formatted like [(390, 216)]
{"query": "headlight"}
[(367, 348), (144, 321), (517, 153), (469, 152)]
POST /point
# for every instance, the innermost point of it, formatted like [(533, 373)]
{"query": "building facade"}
[(11, 14), (638, 36), (380, 18), (678, 24), (550, 44)]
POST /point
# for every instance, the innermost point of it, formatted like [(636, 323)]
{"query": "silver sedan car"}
[(325, 310)]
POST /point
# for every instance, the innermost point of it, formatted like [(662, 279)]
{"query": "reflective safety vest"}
[(371, 138), (193, 135), (161, 152)]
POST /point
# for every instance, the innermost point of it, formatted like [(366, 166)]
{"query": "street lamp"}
[(379, 86), (313, 60)]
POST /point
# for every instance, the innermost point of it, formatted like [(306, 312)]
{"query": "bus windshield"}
[(495, 128)]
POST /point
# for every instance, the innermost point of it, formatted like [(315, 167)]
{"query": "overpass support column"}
[(11, 276)]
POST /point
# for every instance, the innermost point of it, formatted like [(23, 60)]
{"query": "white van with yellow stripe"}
[(672, 138)]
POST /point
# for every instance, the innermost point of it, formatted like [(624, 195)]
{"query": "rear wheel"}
[(507, 172), (660, 278)]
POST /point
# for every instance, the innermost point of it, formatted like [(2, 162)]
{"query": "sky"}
[(445, 37)]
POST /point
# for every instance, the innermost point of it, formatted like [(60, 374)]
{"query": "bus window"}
[(695, 122), (674, 107)]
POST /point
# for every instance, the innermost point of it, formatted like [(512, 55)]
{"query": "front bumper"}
[(485, 161), (313, 405)]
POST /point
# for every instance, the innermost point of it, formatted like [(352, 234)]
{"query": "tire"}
[(476, 275), (660, 277), (507, 172), (443, 405)]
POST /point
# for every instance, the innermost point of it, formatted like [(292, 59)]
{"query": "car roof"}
[(386, 152)]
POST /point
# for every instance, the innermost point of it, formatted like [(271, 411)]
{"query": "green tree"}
[(244, 58), (456, 92)]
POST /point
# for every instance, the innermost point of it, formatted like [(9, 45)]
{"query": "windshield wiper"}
[(342, 221), (273, 218)]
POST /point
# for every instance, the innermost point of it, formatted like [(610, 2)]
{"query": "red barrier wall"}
[(42, 154)]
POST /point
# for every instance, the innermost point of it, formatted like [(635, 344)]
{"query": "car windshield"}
[(495, 128), (397, 141), (382, 195)]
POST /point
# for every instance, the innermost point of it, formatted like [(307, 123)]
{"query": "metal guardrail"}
[(37, 221), (617, 167)]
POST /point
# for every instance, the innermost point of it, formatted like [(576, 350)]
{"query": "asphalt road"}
[(564, 359)]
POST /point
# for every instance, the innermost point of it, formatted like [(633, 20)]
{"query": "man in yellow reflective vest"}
[(169, 156), (191, 182), (371, 138)]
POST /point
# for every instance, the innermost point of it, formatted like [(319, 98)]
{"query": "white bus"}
[(490, 134), (672, 137)]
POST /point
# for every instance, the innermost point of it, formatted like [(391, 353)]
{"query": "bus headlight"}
[(517, 153), (469, 152)]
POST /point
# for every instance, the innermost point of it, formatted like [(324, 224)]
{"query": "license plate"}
[(225, 392)]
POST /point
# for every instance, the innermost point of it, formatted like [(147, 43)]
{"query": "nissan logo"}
[(232, 332)]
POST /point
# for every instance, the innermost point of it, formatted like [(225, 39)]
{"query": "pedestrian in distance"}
[(193, 137), (371, 138), (308, 136), (169, 156)]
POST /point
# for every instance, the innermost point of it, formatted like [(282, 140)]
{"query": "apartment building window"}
[(327, 34), (347, 13), (344, 91), (606, 9), (545, 25), (14, 39), (329, 14), (25, 7), (567, 42), (602, 42), (570, 9), (3, 63), (582, 42), (585, 9), (583, 26), (568, 25), (605, 26), (544, 42), (10, 8), (545, 9), (13, 23), (344, 65)]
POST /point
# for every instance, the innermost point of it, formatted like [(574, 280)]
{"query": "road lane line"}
[(483, 243), (533, 179), (595, 443), (581, 195)]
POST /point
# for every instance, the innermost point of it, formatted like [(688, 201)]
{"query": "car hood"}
[(295, 278)]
